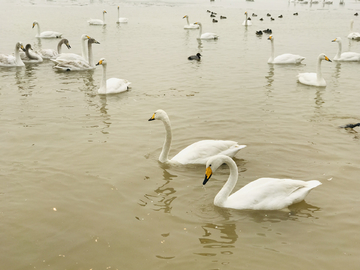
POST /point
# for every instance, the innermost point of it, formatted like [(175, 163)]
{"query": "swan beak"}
[(105, 11), (208, 174), (152, 117), (33, 25), (327, 59), (333, 40), (88, 37), (184, 16), (270, 37), (97, 42), (196, 23), (99, 63)]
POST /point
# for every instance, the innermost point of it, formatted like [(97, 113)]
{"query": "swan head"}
[(19, 45), (212, 165), (197, 23), (159, 115), (102, 62), (245, 13), (85, 37), (35, 23), (93, 40), (338, 40), (105, 11), (66, 42), (322, 56), (28, 47), (118, 7), (184, 16), (271, 38)]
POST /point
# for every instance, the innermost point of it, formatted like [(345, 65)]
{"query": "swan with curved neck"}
[(346, 56), (31, 56), (246, 22), (206, 35), (74, 56), (190, 25), (261, 194), (121, 20), (112, 85), (353, 35), (12, 60), (314, 79), (79, 63), (286, 58), (98, 21), (50, 53), (196, 153), (45, 34)]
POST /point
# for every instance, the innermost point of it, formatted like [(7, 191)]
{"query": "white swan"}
[(121, 20), (261, 194), (353, 35), (196, 153), (314, 79), (190, 25), (12, 60), (286, 58), (50, 53), (74, 56), (98, 21), (206, 35), (45, 34), (30, 55), (246, 22), (346, 56), (77, 64), (112, 85)]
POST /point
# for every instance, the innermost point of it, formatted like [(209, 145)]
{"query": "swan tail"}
[(313, 184)]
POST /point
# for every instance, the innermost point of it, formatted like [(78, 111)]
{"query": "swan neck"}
[(59, 47), (224, 193), (103, 80), (272, 51), (318, 69), (90, 59), (18, 60), (119, 13), (246, 19), (339, 51), (200, 30), (38, 28), (187, 19), (104, 17), (83, 47), (164, 156)]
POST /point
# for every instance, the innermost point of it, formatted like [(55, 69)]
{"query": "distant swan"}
[(206, 35), (353, 35), (261, 194), (286, 58), (189, 25), (196, 153), (346, 56), (314, 79), (98, 21), (45, 34), (246, 22), (31, 56), (112, 85), (11, 60), (50, 53), (120, 20), (79, 63)]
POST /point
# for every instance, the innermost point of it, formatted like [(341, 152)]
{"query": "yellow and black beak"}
[(152, 117), (68, 45), (33, 25), (208, 174), (99, 63), (333, 40), (22, 47), (327, 59)]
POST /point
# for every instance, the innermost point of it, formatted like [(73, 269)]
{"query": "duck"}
[(286, 58), (280, 16), (30, 55), (259, 33), (346, 56), (267, 31), (195, 57), (261, 194), (222, 17), (272, 19), (353, 35), (45, 34), (50, 53), (246, 22), (189, 25), (205, 35), (214, 21), (268, 14), (295, 14), (261, 19), (314, 79), (356, 14), (254, 15), (8, 60), (98, 21), (196, 153), (112, 85)]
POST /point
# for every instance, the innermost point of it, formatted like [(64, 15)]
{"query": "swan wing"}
[(209, 36), (199, 152), (191, 26), (69, 65), (310, 79), (115, 85), (354, 35), (95, 22), (270, 194), (288, 58), (47, 53), (123, 20), (69, 57), (7, 60), (50, 34), (349, 56)]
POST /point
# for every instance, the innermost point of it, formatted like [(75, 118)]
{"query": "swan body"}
[(190, 25), (196, 153), (30, 55), (98, 21), (353, 35), (246, 22), (74, 56), (206, 35), (286, 58), (314, 79), (346, 56), (79, 63), (261, 194), (112, 85), (121, 20), (50, 53), (46, 34), (12, 60)]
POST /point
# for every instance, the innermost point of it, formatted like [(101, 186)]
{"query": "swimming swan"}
[(30, 55), (353, 35), (74, 56), (79, 63), (261, 194), (50, 53), (314, 79), (196, 153), (98, 21), (12, 60), (206, 35), (45, 34), (121, 20), (246, 22), (190, 25), (346, 56), (112, 85), (286, 58)]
